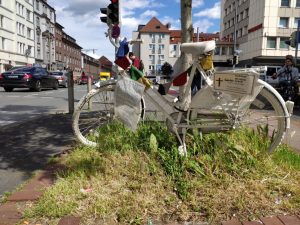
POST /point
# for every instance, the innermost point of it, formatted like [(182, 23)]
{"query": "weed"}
[(137, 176)]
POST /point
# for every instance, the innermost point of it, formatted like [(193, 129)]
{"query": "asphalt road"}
[(32, 129), (22, 104)]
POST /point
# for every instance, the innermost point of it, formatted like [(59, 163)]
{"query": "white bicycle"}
[(229, 100)]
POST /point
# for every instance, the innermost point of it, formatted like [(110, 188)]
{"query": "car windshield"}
[(56, 73)]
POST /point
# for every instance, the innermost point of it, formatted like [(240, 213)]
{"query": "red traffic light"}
[(114, 1)]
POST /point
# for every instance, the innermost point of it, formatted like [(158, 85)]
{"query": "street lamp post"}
[(234, 35)]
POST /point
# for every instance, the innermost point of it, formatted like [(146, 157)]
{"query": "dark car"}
[(61, 76), (34, 78)]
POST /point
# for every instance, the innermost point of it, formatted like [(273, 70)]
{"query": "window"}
[(217, 51), (283, 45), (271, 42), (285, 3), (28, 14), (224, 51), (1, 21), (2, 43), (283, 22), (297, 3), (151, 46), (37, 5), (296, 22)]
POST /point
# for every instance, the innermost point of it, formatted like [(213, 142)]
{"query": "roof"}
[(154, 26), (175, 36)]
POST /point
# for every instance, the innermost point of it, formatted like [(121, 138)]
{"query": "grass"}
[(135, 178)]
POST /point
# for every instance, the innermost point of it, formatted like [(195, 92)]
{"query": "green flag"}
[(135, 74)]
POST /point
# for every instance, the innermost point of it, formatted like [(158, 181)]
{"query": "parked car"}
[(61, 76), (84, 79), (34, 78)]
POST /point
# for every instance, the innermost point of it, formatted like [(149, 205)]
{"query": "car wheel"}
[(8, 89), (56, 85), (37, 86)]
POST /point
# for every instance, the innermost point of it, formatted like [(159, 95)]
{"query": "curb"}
[(12, 210)]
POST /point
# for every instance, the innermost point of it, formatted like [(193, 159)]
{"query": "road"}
[(22, 104)]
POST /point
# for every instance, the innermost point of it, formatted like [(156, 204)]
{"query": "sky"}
[(81, 19)]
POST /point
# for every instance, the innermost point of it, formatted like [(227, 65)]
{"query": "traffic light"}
[(112, 12), (235, 60), (293, 40)]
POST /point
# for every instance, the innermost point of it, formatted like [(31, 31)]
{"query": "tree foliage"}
[(166, 69)]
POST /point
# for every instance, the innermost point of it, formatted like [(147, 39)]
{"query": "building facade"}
[(16, 34), (259, 29), (90, 65), (44, 29), (161, 44)]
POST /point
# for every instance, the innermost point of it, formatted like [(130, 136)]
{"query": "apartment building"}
[(67, 52), (44, 29), (161, 44), (90, 65), (16, 33), (259, 29)]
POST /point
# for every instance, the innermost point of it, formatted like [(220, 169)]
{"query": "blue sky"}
[(81, 18)]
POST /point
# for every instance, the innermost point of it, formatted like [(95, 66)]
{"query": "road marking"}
[(46, 97)]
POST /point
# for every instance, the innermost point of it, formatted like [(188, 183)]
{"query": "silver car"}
[(61, 76)]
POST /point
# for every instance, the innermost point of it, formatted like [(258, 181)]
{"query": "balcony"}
[(153, 51), (159, 51), (159, 40), (153, 40)]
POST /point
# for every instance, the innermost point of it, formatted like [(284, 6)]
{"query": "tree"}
[(166, 69)]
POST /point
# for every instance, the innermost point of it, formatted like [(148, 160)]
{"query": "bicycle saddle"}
[(198, 48)]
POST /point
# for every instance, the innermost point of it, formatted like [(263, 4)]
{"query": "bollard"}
[(71, 92)]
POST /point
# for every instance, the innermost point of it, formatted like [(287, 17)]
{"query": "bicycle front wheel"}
[(266, 117), (95, 110)]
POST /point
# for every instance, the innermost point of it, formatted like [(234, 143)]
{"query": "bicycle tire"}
[(87, 120), (267, 110)]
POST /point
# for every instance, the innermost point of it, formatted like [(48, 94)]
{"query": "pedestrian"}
[(135, 61), (287, 73)]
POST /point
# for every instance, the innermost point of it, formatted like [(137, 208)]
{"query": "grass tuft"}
[(134, 178)]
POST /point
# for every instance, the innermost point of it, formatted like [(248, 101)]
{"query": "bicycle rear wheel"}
[(266, 116), (95, 109)]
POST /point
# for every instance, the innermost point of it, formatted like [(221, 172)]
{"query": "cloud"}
[(149, 13), (141, 4), (84, 7), (203, 25), (214, 12)]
